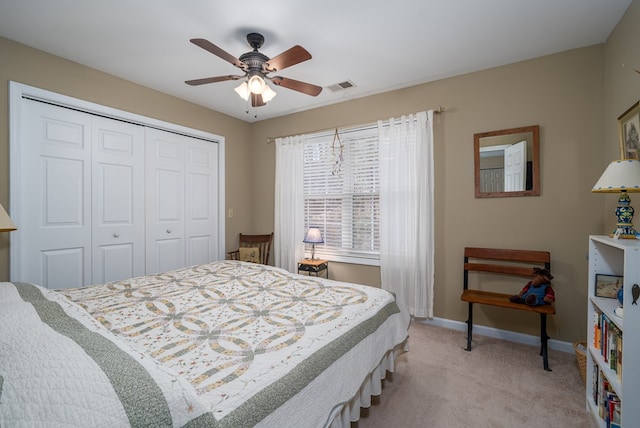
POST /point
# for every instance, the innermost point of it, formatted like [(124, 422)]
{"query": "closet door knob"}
[(168, 230), (116, 235)]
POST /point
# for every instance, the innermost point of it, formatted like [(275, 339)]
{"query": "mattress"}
[(225, 344)]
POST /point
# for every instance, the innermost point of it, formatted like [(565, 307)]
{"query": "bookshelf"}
[(613, 351)]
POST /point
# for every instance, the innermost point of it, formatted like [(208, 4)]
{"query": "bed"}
[(225, 344)]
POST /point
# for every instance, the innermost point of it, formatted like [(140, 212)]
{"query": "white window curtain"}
[(406, 211), (288, 231)]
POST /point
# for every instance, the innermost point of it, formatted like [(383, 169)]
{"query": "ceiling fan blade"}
[(293, 56), (219, 52), (206, 80), (256, 100), (296, 85)]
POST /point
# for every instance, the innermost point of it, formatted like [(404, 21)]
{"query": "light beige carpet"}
[(498, 384)]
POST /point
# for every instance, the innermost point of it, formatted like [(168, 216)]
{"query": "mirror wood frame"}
[(535, 161)]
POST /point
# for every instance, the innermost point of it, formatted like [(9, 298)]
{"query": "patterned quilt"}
[(234, 341)]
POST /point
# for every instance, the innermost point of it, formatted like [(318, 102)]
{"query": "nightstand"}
[(313, 266)]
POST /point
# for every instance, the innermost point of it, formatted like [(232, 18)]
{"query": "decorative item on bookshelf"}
[(618, 311), (635, 293), (608, 285), (621, 295)]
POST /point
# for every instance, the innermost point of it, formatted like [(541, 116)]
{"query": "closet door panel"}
[(63, 185), (55, 204), (118, 201), (167, 228), (63, 267), (201, 202), (182, 201), (165, 201), (199, 241), (169, 253)]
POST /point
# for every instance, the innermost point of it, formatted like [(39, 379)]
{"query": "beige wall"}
[(621, 91), (563, 94), (32, 67), (574, 96)]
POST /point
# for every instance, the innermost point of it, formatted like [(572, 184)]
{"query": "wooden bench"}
[(509, 262)]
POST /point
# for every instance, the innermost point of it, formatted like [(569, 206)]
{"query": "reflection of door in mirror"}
[(503, 168), (492, 168), (515, 167), (507, 163)]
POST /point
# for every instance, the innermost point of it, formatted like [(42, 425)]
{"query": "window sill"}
[(367, 261)]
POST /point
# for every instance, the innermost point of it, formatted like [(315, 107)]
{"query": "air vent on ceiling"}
[(342, 86)]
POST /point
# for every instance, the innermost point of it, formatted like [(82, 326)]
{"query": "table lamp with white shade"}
[(313, 237), (621, 176), (6, 225)]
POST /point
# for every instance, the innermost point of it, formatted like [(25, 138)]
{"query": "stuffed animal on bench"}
[(538, 291)]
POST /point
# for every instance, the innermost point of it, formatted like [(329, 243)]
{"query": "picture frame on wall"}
[(608, 285), (629, 133)]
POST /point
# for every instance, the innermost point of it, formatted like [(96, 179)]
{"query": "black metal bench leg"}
[(543, 341), (469, 326)]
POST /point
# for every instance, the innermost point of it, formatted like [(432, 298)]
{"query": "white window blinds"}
[(341, 192)]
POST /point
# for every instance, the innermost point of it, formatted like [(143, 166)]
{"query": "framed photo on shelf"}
[(629, 133), (608, 285)]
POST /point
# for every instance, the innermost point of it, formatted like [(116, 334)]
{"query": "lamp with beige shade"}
[(621, 176), (6, 225)]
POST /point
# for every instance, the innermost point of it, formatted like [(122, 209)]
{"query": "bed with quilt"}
[(225, 344)]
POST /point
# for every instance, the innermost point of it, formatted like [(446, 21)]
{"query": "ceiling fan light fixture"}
[(268, 94), (243, 91), (256, 66), (256, 84)]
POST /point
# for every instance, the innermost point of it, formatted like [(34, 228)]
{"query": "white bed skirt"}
[(372, 386)]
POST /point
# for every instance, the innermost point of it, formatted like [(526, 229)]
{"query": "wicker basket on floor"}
[(581, 359)]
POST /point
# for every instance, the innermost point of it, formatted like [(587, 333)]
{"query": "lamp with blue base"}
[(621, 176)]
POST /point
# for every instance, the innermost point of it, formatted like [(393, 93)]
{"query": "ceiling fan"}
[(256, 67)]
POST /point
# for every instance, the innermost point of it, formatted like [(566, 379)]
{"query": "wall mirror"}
[(507, 162)]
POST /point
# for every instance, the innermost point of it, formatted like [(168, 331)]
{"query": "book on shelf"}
[(603, 389), (595, 381), (608, 340), (612, 410), (619, 362), (605, 338), (605, 399)]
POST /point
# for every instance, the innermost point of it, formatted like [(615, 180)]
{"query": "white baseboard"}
[(527, 339)]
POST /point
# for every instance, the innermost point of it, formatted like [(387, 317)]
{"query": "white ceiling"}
[(378, 45)]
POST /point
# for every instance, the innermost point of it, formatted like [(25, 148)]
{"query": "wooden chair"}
[(253, 248)]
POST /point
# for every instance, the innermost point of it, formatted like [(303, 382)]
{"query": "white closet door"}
[(118, 200), (165, 201), (182, 201), (82, 199), (55, 201), (201, 213), (88, 207)]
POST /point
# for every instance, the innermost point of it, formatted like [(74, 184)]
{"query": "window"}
[(341, 193)]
